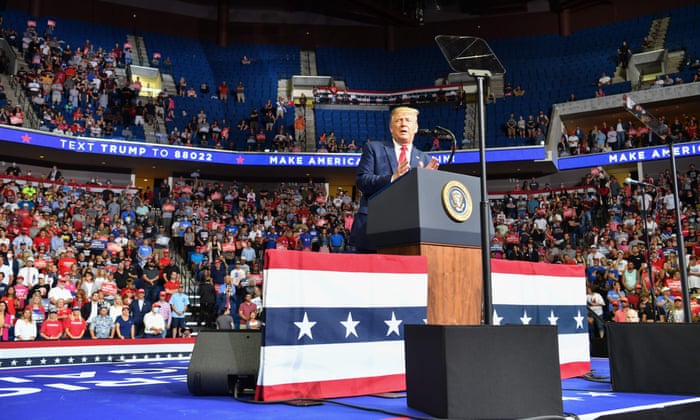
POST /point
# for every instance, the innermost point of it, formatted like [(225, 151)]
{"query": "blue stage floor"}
[(158, 389)]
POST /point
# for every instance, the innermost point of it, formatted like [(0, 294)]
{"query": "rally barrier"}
[(63, 352)]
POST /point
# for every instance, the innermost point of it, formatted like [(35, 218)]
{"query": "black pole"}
[(687, 315), (648, 241), (485, 219)]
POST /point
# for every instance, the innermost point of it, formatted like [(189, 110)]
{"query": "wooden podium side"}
[(454, 281)]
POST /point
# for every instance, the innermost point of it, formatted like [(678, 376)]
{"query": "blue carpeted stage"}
[(158, 388)]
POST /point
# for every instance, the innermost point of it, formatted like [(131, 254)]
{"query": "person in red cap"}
[(154, 324), (676, 314), (165, 310), (625, 313)]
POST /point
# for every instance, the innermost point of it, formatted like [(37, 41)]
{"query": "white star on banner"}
[(496, 319), (305, 327), (579, 320), (109, 358), (97, 358), (552, 319), (350, 325), (57, 360), (393, 325), (28, 362), (84, 359), (525, 319), (14, 363), (71, 360), (43, 361)]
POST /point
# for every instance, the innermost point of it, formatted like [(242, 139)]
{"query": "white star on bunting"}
[(305, 327), (496, 320), (393, 325), (579, 320), (350, 326)]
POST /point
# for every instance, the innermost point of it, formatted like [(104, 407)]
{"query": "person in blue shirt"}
[(315, 242), (305, 239), (125, 325), (144, 251), (179, 303), (271, 239), (337, 240), (127, 215)]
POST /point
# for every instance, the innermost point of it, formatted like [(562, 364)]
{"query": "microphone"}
[(635, 182), (428, 132)]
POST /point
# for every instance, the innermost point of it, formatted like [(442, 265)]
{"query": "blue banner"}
[(225, 157), (628, 156)]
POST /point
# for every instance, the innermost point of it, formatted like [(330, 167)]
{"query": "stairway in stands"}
[(156, 132), (655, 39)]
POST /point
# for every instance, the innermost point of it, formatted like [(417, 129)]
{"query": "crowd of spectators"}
[(531, 130), (74, 249), (602, 225), (78, 248), (623, 135), (76, 90), (264, 130)]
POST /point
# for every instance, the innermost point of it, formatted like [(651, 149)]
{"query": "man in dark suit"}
[(383, 163), (139, 307), (54, 174)]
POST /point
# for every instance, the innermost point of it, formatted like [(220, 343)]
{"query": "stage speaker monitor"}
[(655, 358), (483, 372), (220, 358)]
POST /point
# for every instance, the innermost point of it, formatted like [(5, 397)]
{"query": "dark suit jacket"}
[(221, 303), (139, 314), (377, 164)]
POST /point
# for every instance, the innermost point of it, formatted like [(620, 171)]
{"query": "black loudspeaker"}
[(220, 358), (483, 372), (654, 358)]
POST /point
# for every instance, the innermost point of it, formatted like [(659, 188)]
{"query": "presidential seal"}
[(457, 201)]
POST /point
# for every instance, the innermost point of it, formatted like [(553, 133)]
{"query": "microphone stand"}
[(454, 142)]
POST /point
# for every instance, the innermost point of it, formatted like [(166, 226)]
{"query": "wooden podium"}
[(435, 214)]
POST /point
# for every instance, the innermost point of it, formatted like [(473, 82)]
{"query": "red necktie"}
[(402, 155)]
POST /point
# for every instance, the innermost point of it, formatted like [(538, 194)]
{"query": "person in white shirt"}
[(30, 273), (154, 324), (60, 292), (25, 327)]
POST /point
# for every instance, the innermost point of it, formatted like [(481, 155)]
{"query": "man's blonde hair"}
[(408, 109)]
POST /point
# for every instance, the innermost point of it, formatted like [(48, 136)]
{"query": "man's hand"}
[(434, 164), (402, 168)]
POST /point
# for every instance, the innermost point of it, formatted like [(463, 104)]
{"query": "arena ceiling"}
[(399, 13)]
